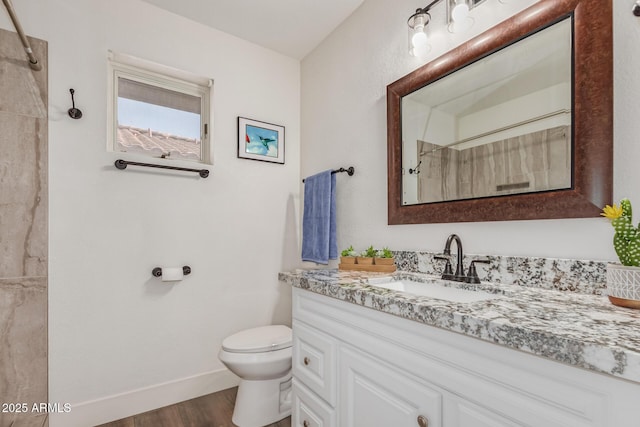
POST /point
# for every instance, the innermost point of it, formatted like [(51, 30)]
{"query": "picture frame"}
[(260, 141)]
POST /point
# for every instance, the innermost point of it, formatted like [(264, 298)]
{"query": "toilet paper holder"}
[(157, 272)]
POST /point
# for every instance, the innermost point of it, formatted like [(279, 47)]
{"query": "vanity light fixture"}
[(458, 10), (457, 16), (418, 40), (458, 13)]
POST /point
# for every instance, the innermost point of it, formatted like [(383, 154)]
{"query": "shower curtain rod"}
[(33, 62), (515, 125)]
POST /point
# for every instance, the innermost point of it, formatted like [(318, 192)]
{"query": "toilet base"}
[(260, 403)]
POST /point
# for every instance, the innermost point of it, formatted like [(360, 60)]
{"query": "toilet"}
[(261, 357)]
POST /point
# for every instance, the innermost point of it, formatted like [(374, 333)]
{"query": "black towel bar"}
[(122, 164), (350, 171)]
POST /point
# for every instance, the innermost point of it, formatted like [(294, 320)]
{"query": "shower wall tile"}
[(35, 420), (23, 347), (23, 199), (437, 179), (24, 420), (23, 230), (24, 92), (537, 161)]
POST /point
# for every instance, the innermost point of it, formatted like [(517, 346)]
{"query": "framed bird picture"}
[(260, 141)]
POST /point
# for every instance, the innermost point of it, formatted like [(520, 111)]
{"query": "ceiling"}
[(291, 27)]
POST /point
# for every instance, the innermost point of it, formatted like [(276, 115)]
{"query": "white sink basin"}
[(432, 289)]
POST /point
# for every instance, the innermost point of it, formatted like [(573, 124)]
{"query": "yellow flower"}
[(612, 212)]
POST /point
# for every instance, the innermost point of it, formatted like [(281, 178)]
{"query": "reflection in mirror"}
[(499, 126), (591, 135)]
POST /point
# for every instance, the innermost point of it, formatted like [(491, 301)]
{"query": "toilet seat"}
[(259, 340)]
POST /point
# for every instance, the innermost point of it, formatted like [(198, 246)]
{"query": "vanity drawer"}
[(309, 410), (314, 360)]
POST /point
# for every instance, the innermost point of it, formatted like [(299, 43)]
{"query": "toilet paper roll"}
[(172, 274)]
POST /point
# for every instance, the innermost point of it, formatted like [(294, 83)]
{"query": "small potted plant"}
[(384, 257), (623, 280), (366, 256), (348, 256)]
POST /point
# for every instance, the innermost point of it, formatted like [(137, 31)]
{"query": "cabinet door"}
[(462, 413), (375, 394), (308, 410)]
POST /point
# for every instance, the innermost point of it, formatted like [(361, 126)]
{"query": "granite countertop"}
[(582, 330)]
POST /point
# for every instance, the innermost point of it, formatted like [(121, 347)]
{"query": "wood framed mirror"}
[(588, 183)]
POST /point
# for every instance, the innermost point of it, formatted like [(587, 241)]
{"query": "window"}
[(157, 111)]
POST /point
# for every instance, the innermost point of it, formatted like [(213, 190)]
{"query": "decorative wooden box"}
[(381, 265)]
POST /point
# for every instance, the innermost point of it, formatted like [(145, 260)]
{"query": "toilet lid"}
[(256, 340)]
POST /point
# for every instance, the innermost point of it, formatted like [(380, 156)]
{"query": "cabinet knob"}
[(306, 362), (423, 421), (305, 423)]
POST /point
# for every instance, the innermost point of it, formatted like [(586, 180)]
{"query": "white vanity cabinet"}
[(314, 385), (357, 367), (373, 393)]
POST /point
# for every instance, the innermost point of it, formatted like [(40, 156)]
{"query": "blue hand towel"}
[(319, 218)]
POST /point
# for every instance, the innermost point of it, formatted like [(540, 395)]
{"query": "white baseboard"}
[(115, 407)]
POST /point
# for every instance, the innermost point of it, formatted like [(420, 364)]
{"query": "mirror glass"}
[(514, 124), (501, 125)]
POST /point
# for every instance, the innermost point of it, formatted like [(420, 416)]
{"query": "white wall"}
[(120, 341), (535, 104), (344, 123)]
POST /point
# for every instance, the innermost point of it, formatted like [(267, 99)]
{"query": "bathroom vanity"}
[(366, 354)]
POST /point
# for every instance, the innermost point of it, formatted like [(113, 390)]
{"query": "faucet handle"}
[(472, 274), (448, 270)]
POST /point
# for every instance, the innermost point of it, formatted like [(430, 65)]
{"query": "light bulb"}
[(422, 51), (460, 11), (419, 39)]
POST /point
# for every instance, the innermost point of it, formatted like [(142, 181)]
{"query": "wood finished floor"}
[(212, 410)]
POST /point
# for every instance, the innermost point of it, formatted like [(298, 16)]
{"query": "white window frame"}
[(136, 69)]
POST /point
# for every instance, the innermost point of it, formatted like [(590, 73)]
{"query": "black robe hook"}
[(74, 113)]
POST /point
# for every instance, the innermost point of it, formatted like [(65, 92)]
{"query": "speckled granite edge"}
[(573, 275), (581, 330)]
